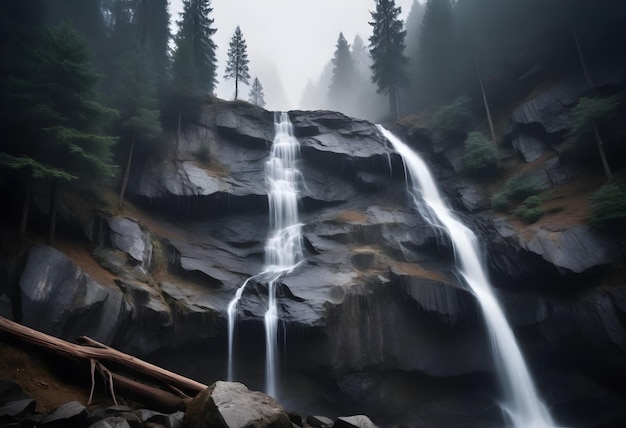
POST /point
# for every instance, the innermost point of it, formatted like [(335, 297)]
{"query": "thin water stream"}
[(283, 248)]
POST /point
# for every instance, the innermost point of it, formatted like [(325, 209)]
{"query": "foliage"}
[(452, 118), (608, 204), (256, 93), (344, 74), (515, 189), (237, 65), (51, 90), (196, 31), (589, 111), (529, 211), (480, 154), (387, 51)]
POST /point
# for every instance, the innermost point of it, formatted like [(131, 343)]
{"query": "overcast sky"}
[(289, 41)]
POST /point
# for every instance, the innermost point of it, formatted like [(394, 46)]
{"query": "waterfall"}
[(522, 406), (283, 248)]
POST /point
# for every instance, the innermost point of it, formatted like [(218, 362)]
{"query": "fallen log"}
[(93, 350)]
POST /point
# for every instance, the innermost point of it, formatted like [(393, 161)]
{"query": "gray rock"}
[(319, 421), (232, 405), (18, 408), (128, 236), (357, 421), (529, 146), (575, 249), (112, 422), (60, 299), (68, 413)]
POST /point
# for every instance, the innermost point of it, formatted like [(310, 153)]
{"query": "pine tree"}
[(387, 51), (341, 86), (256, 93), (51, 93), (153, 31), (434, 55), (135, 98), (195, 29), (237, 65), (184, 89)]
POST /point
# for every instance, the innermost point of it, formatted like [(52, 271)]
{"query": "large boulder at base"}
[(357, 421), (232, 405)]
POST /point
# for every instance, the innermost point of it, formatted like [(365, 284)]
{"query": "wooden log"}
[(97, 351)]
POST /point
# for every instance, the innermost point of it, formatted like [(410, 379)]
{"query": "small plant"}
[(608, 204), (203, 152), (516, 189), (529, 212), (480, 155)]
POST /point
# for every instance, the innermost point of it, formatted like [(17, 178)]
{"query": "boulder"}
[(319, 421), (60, 299), (529, 146), (128, 236), (232, 405), (357, 421), (68, 414)]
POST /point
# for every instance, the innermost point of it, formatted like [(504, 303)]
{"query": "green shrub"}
[(480, 155), (452, 118), (500, 202), (529, 212), (608, 204), (516, 189)]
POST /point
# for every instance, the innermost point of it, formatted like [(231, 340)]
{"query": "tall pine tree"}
[(237, 65), (52, 99), (387, 51), (195, 28), (341, 89)]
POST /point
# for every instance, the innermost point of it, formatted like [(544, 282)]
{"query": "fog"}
[(289, 41)]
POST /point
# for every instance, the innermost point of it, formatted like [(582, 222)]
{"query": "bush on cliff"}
[(530, 210), (515, 190), (608, 204), (481, 156)]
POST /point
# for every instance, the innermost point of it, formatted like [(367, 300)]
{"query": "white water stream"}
[(522, 406), (283, 248)]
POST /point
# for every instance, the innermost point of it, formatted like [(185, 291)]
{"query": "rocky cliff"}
[(375, 316)]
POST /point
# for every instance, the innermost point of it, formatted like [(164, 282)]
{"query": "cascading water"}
[(283, 248), (523, 407)]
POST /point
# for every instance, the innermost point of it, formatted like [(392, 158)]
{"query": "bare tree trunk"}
[(599, 144), (127, 172), (25, 210), (52, 213), (393, 103), (492, 130), (583, 63), (95, 351), (180, 113), (236, 87)]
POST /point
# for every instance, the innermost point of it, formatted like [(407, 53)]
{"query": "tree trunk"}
[(393, 103), (127, 172), (492, 130), (583, 63), (52, 213), (25, 209), (95, 351), (236, 87), (180, 113), (605, 163)]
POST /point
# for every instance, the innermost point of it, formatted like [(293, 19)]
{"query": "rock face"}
[(232, 405), (377, 295)]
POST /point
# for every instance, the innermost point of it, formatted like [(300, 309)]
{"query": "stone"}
[(112, 422), (232, 405), (128, 236), (68, 413), (319, 421), (60, 299), (357, 421), (18, 407), (529, 146)]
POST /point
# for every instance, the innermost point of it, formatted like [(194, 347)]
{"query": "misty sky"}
[(289, 41)]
